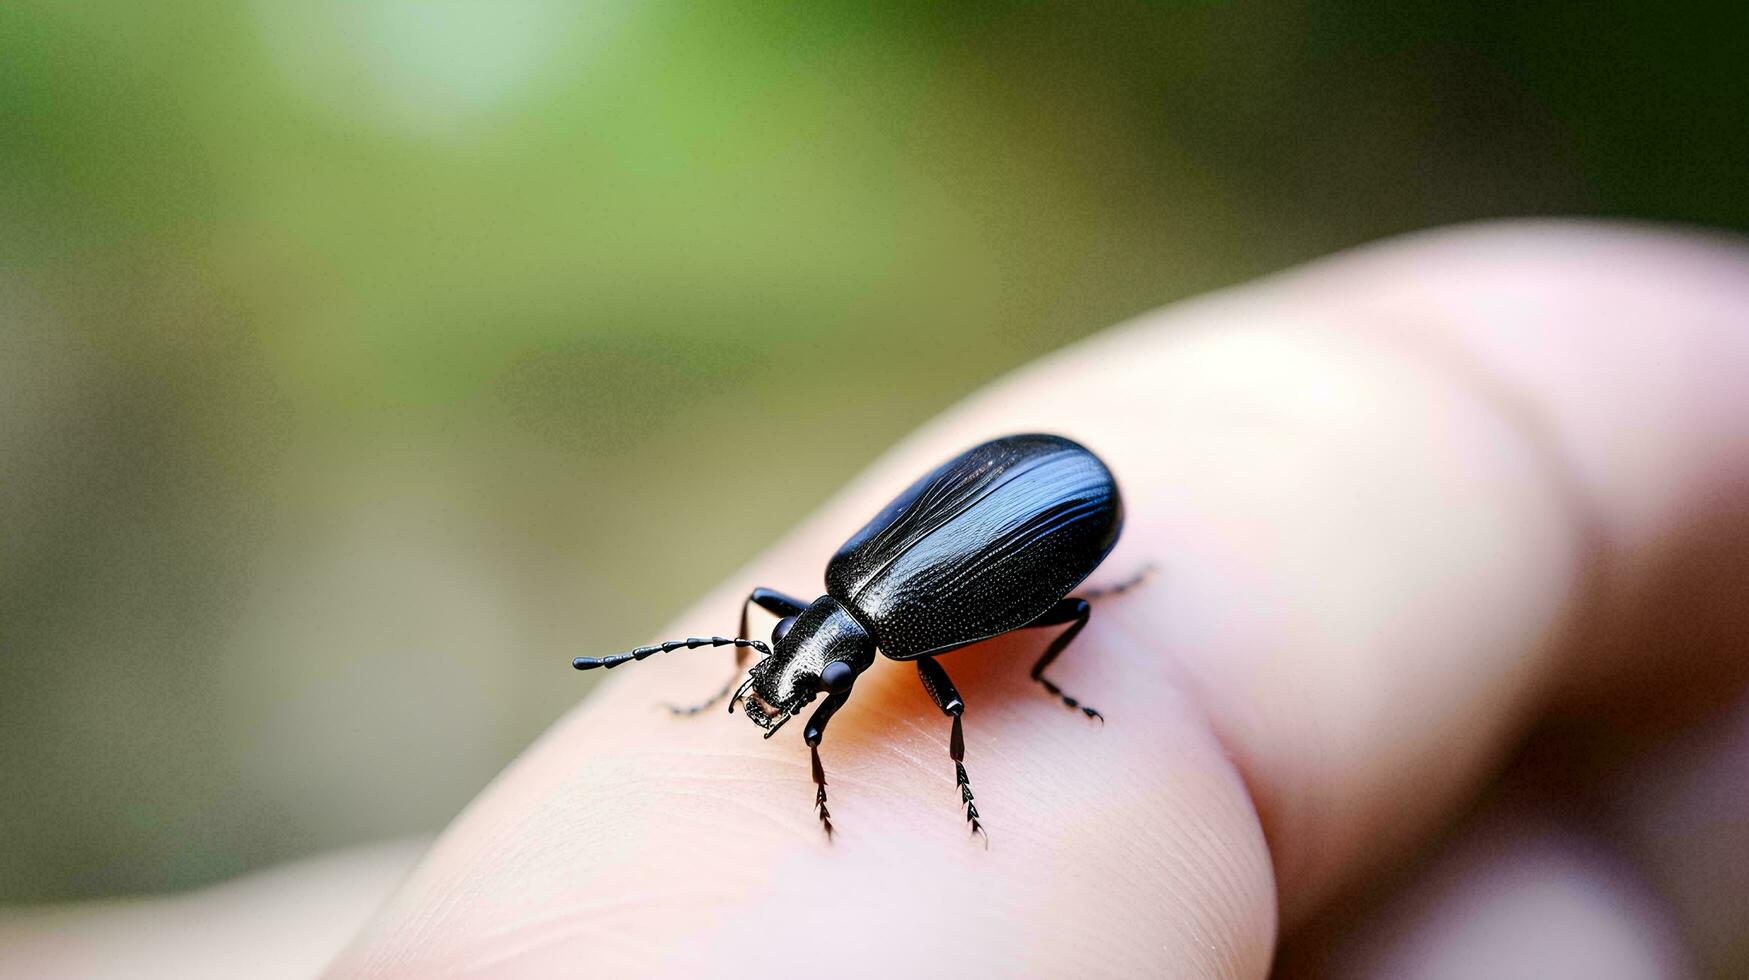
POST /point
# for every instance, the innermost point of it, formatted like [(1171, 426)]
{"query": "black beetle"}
[(991, 541)]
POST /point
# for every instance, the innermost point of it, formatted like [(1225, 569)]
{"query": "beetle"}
[(988, 542)]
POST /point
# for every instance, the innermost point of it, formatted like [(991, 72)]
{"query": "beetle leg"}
[(815, 731), (1074, 612), (767, 599), (942, 692)]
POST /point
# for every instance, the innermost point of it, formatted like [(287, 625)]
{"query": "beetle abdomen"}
[(982, 545)]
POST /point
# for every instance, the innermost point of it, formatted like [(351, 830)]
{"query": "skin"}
[(286, 921), (1441, 672)]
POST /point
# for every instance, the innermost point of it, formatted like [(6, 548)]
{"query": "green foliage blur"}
[(361, 362)]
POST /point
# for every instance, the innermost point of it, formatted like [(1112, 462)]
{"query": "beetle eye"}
[(781, 630), (837, 677)]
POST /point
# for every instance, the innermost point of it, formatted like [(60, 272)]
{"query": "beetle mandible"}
[(989, 542)]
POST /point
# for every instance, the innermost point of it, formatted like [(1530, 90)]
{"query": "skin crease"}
[(1431, 521)]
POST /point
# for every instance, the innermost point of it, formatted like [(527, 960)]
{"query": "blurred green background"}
[(360, 362)]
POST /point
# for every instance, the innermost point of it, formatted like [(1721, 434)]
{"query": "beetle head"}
[(821, 651)]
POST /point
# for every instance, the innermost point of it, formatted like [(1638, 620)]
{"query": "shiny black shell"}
[(984, 544)]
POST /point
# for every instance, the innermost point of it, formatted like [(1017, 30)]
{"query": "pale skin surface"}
[(1452, 590)]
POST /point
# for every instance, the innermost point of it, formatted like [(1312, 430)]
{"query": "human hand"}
[(1417, 511), (1450, 533), (1433, 522)]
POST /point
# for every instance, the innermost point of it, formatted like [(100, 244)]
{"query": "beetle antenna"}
[(690, 643)]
